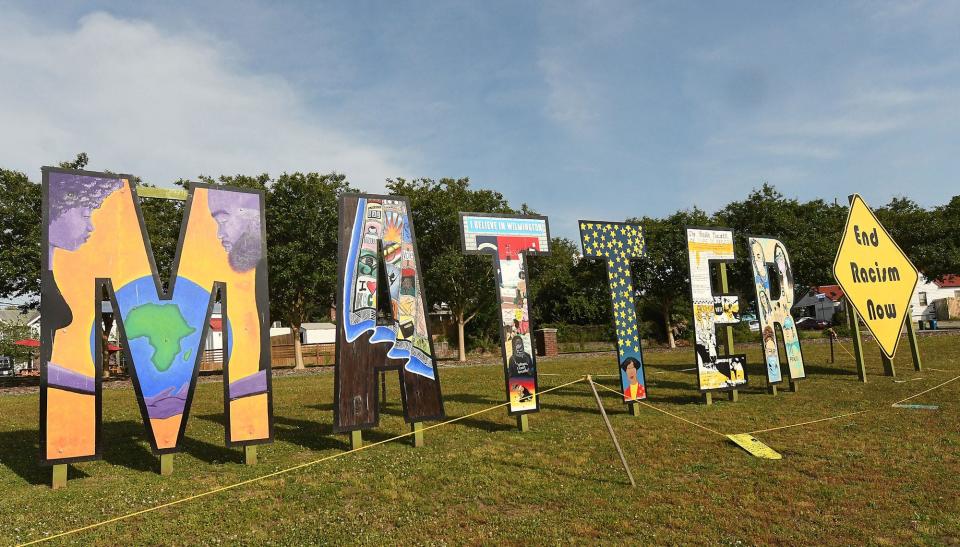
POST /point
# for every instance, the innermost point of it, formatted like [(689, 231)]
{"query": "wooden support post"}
[(166, 464), (914, 348), (250, 454), (59, 478), (356, 439), (634, 409), (773, 389), (417, 428), (794, 385), (383, 390), (707, 398), (724, 287), (831, 349), (888, 368), (613, 436), (523, 424), (734, 395), (854, 319)]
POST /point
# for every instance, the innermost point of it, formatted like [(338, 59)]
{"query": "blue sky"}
[(598, 110)]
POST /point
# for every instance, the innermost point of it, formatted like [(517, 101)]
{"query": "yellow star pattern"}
[(617, 243)]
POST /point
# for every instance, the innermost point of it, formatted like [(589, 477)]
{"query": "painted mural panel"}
[(508, 239), (382, 312), (715, 370), (773, 310), (95, 240), (618, 243)]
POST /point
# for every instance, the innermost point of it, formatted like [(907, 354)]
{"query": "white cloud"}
[(161, 105)]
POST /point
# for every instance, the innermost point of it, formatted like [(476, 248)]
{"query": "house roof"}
[(14, 315), (948, 281), (317, 326), (833, 292)]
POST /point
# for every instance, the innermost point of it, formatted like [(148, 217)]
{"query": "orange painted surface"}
[(165, 431), (248, 418), (71, 424)]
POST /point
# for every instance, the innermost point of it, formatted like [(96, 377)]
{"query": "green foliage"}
[(20, 213), (10, 333), (564, 288), (662, 277)]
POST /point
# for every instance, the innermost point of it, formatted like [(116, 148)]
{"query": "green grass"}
[(889, 476)]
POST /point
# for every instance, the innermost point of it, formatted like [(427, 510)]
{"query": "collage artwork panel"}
[(715, 369), (508, 240), (95, 240), (774, 310), (379, 261)]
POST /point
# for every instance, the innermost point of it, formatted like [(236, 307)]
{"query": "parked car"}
[(809, 323), (6, 366), (754, 325)]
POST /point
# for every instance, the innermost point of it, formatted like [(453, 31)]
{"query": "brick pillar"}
[(546, 342)]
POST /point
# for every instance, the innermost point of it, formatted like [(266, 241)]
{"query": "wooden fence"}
[(282, 355)]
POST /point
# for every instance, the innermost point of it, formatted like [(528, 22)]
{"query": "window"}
[(923, 298), (956, 293)]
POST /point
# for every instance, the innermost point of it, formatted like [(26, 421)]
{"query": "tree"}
[(20, 213), (564, 288), (663, 276), (464, 283)]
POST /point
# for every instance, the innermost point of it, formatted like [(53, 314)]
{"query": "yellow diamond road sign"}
[(876, 276)]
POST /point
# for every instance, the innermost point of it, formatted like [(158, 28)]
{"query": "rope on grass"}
[(280, 472), (837, 417), (681, 418), (926, 391)]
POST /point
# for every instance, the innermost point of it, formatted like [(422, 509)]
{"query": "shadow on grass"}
[(21, 451), (308, 434)]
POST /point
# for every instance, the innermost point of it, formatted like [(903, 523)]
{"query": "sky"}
[(596, 110)]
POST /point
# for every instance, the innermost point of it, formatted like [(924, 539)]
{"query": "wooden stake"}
[(854, 320), (356, 439), (912, 336), (888, 368), (166, 464), (613, 436), (634, 409), (773, 389), (417, 428), (59, 478), (522, 423), (250, 454), (707, 398), (734, 395), (794, 385)]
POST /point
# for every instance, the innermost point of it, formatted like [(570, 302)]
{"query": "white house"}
[(820, 302), (927, 293), (318, 333)]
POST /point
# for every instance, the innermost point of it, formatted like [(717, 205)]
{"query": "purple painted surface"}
[(58, 376), (238, 226), (249, 385), (72, 199), (167, 403)]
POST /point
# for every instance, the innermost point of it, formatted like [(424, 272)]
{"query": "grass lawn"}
[(889, 476)]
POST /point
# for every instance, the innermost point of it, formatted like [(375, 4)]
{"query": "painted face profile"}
[(517, 346), (238, 227), (758, 259), (73, 198), (630, 367)]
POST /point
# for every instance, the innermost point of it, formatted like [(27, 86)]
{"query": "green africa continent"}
[(164, 327)]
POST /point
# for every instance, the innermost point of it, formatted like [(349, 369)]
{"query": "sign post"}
[(878, 280)]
